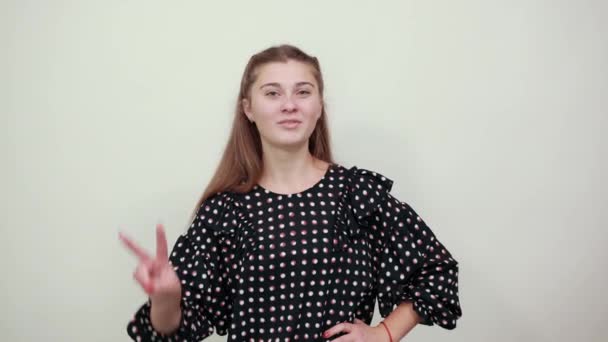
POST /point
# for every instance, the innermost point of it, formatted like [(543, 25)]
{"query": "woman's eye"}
[(275, 93)]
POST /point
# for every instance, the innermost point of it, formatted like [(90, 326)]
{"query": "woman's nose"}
[(288, 105)]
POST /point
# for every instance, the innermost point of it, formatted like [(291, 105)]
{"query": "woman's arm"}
[(199, 259), (415, 268), (401, 321)]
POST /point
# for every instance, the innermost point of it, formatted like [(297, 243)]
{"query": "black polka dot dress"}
[(263, 266)]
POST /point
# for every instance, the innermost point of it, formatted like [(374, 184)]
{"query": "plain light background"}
[(490, 116)]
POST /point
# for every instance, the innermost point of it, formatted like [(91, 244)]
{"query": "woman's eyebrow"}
[(275, 84)]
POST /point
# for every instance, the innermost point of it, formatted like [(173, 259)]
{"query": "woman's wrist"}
[(166, 303), (165, 316), (386, 330)]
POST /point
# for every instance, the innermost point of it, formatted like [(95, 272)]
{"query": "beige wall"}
[(488, 115)]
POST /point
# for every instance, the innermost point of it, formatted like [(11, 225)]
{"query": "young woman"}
[(285, 244)]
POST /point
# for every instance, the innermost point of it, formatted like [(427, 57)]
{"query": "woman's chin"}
[(290, 142)]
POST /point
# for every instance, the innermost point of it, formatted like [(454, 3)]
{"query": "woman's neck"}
[(289, 172)]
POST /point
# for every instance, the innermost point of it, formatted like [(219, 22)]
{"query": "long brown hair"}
[(241, 164)]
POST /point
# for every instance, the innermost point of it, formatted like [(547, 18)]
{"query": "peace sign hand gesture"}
[(154, 273)]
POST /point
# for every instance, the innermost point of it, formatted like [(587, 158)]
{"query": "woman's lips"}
[(290, 123)]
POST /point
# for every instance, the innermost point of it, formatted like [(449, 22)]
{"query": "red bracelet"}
[(387, 331)]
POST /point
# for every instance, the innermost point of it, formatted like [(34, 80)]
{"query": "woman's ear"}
[(247, 109), (322, 109)]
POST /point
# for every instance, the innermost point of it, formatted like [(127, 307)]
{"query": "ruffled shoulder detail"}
[(364, 191), (224, 214), (220, 212), (368, 190)]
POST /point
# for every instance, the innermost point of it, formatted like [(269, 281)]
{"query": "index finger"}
[(161, 243), (338, 328), (140, 252)]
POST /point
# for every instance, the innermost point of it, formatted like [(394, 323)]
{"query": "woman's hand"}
[(154, 273), (357, 332)]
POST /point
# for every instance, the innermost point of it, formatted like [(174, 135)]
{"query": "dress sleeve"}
[(415, 267), (201, 259)]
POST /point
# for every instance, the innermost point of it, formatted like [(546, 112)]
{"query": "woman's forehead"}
[(285, 73)]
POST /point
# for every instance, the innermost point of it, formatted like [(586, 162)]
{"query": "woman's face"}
[(284, 103)]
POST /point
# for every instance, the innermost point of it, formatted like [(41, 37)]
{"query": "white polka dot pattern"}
[(415, 267), (262, 266)]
